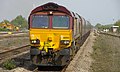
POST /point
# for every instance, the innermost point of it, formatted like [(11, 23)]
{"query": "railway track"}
[(50, 68), (1, 37), (13, 53), (61, 70), (3, 33), (110, 34), (13, 36)]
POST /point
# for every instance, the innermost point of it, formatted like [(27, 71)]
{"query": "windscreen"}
[(60, 22), (40, 21)]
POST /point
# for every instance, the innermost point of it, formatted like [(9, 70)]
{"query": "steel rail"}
[(2, 33), (1, 37), (13, 52), (110, 34)]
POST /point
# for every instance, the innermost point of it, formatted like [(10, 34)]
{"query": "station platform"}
[(83, 60)]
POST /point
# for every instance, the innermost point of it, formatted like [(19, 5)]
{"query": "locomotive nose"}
[(50, 39)]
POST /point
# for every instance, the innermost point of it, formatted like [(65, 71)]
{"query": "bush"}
[(9, 64), (2, 29), (119, 30)]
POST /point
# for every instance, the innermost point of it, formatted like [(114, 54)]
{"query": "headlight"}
[(64, 42), (34, 41), (37, 41)]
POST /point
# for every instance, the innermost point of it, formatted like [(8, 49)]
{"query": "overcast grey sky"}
[(96, 11)]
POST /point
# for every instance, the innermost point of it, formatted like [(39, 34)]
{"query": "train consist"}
[(56, 34)]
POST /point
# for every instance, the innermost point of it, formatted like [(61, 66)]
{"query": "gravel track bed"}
[(5, 36), (23, 64), (11, 43)]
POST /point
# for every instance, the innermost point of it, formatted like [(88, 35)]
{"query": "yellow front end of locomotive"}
[(54, 39)]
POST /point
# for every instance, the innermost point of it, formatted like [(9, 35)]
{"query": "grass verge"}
[(9, 64), (106, 54)]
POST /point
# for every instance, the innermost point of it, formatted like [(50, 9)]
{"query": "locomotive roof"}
[(51, 6)]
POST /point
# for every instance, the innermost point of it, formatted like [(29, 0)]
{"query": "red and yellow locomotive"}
[(55, 34)]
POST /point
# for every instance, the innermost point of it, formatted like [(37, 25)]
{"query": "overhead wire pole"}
[(34, 6)]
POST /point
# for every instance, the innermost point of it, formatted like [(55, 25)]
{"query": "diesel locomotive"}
[(56, 34)]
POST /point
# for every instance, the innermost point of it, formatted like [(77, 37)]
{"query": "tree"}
[(101, 27), (20, 22), (117, 23), (106, 26), (5, 21), (98, 25)]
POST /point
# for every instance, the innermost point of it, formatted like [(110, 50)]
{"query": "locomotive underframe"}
[(59, 58)]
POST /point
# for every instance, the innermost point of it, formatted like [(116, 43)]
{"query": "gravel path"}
[(11, 43), (83, 60)]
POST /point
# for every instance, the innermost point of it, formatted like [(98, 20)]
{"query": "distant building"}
[(106, 30), (114, 28), (9, 26)]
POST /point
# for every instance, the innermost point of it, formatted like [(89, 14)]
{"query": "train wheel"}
[(73, 49), (34, 59)]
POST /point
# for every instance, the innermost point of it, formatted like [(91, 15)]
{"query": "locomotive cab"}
[(50, 31)]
